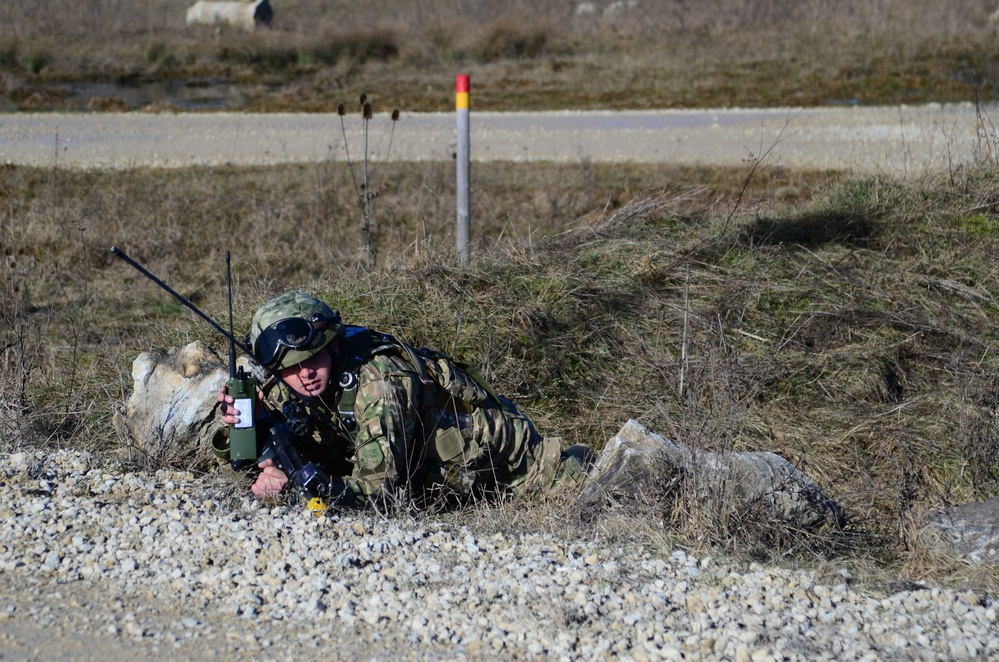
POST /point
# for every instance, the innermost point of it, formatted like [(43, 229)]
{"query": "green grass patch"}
[(978, 224)]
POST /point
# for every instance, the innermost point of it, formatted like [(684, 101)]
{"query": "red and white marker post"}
[(463, 218)]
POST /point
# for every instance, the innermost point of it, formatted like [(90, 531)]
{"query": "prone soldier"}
[(383, 419)]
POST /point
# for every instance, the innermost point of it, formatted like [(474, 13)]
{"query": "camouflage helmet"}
[(280, 339)]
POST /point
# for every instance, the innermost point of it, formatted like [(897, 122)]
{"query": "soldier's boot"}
[(574, 463)]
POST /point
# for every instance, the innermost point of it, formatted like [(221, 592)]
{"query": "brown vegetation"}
[(846, 324), (521, 55)]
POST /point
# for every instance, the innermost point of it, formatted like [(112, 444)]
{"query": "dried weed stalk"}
[(365, 194)]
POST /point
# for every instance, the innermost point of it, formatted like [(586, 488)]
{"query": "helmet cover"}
[(299, 305)]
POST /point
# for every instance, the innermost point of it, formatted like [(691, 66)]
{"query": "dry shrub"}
[(508, 40), (851, 332), (20, 345)]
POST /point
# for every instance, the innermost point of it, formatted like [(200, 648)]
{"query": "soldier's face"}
[(310, 377)]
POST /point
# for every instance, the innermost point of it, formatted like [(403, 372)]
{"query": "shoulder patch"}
[(370, 457)]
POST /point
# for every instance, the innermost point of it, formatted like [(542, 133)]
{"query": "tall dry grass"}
[(847, 324)]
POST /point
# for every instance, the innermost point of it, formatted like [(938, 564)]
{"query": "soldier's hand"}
[(270, 482), (230, 415)]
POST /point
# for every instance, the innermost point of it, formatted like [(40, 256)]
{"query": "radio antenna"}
[(232, 337)]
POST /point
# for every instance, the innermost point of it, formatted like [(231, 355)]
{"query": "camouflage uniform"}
[(394, 420)]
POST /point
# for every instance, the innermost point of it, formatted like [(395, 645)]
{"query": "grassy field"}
[(848, 324), (522, 55)]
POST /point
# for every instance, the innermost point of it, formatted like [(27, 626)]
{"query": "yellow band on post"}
[(461, 100)]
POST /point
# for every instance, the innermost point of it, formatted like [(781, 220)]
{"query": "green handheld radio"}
[(243, 389)]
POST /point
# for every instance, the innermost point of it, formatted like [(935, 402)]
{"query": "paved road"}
[(896, 140)]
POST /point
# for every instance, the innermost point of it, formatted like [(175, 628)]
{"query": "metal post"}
[(462, 156)]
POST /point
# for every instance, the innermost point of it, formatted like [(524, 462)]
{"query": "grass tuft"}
[(849, 329), (506, 40)]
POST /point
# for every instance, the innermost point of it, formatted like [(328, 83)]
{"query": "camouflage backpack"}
[(435, 369)]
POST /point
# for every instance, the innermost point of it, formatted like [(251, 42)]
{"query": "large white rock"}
[(170, 416), (969, 531)]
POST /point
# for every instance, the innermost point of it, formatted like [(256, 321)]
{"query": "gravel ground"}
[(102, 564), (898, 140)]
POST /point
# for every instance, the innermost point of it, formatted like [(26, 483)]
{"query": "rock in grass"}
[(640, 465), (247, 15), (970, 530), (170, 415)]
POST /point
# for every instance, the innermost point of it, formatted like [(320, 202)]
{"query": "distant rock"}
[(970, 531), (614, 8), (619, 7), (244, 14), (640, 465), (170, 415)]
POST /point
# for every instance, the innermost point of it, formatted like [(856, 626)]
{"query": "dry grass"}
[(521, 55), (847, 324), (67, 300)]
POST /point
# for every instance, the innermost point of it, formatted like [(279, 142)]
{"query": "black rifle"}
[(282, 443)]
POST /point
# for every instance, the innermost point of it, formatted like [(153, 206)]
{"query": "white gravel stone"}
[(147, 551)]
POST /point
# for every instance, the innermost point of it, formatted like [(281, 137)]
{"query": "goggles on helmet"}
[(291, 333)]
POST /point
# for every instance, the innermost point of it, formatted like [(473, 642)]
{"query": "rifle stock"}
[(282, 447)]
